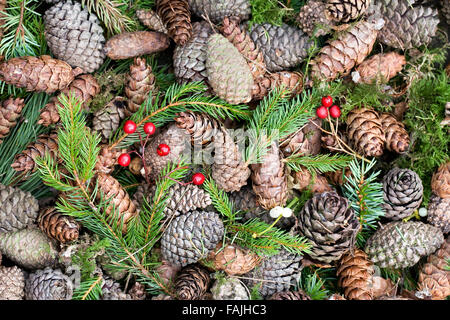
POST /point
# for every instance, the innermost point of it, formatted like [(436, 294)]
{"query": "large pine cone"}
[(234, 260), (365, 132), (439, 213), (10, 110), (290, 295), (292, 81), (191, 236), (229, 289), (440, 182), (381, 67), (177, 17), (39, 74), (192, 283), (58, 226), (29, 248), (396, 136), (283, 47), (401, 244), (306, 141), (18, 209), (346, 10), (151, 20), (314, 19), (276, 273), (12, 283), (434, 277), (228, 72), (402, 193), (107, 120), (74, 35), (48, 284), (189, 60), (200, 126), (217, 10), (140, 84), (331, 225)]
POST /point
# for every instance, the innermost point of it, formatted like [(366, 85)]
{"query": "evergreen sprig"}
[(90, 289), (319, 163), (220, 200), (313, 286)]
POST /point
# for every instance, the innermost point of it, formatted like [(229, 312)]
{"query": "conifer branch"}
[(90, 289), (320, 163)]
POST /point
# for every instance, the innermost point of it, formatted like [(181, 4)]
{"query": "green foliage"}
[(401, 277), (319, 163), (85, 258), (90, 289), (268, 11), (254, 293), (220, 200), (313, 286)]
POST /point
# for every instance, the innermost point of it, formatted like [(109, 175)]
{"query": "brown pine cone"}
[(24, 161), (38, 74), (290, 295), (306, 141), (380, 67), (108, 119), (200, 126), (107, 159), (440, 182), (176, 16), (192, 283), (84, 87), (136, 165), (58, 226), (2, 15), (395, 134), (167, 272), (304, 180), (234, 260), (292, 81), (140, 84), (137, 291), (346, 10), (337, 177), (9, 112), (314, 19), (151, 20)]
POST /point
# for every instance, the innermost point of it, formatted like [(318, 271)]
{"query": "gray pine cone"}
[(439, 213), (402, 193), (107, 120), (190, 237), (216, 10), (12, 283), (229, 289), (313, 18), (111, 291), (48, 284)]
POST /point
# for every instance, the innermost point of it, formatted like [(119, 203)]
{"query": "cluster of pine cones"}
[(213, 42)]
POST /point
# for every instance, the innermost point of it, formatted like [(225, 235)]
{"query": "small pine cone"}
[(337, 177), (217, 10), (107, 159), (192, 283), (2, 16), (445, 10), (18, 209), (167, 272), (151, 20), (439, 213), (314, 19), (84, 88), (401, 244), (306, 141), (381, 67), (234, 260), (290, 295), (48, 284), (440, 182), (29, 248), (140, 84), (136, 165), (108, 119), (240, 38), (304, 180), (364, 129), (336, 296), (228, 72), (434, 277), (395, 134), (346, 10), (229, 289), (176, 16), (24, 162), (341, 55), (292, 81), (38, 74), (58, 226), (137, 291), (10, 110), (402, 193), (228, 170), (12, 283), (111, 291), (245, 200), (200, 126)]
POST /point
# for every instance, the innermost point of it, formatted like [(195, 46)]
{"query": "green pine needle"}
[(318, 164)]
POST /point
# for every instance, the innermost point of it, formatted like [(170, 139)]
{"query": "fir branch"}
[(318, 164), (90, 289), (220, 200), (313, 286)]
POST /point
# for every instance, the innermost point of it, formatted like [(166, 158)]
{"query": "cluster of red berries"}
[(327, 106)]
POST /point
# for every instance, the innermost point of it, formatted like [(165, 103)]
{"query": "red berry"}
[(335, 111), (322, 112), (124, 159), (198, 179), (327, 101), (149, 128), (129, 127), (163, 149)]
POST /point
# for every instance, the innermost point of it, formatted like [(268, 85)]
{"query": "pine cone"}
[(107, 159), (439, 213), (24, 162), (434, 278), (12, 283), (108, 119), (48, 284), (137, 291), (136, 165), (401, 244), (228, 170), (111, 291), (381, 67), (228, 72), (269, 180), (331, 225), (292, 81), (29, 248), (245, 200), (176, 16), (346, 10), (445, 10), (38, 74), (140, 84), (240, 38), (402, 193), (2, 16), (276, 273), (336, 296), (304, 180), (200, 126), (192, 283), (337, 177), (306, 141), (440, 182), (9, 112), (341, 55), (190, 237), (58, 226), (314, 19), (151, 20), (234, 260), (84, 88), (229, 289), (283, 47), (217, 10), (167, 272), (18, 209), (364, 129), (395, 134), (74, 35), (189, 60), (290, 295)]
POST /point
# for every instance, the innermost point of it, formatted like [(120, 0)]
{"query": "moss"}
[(268, 11), (111, 85)]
